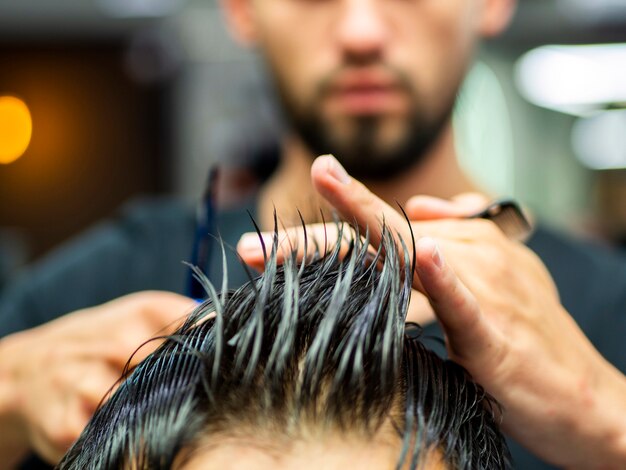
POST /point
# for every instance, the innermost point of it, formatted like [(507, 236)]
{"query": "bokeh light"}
[(16, 128), (576, 80)]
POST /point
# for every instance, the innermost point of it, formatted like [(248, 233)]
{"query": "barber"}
[(374, 82)]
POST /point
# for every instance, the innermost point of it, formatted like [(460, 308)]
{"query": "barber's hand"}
[(503, 322), (53, 377)]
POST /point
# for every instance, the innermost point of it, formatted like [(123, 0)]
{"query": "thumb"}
[(356, 203)]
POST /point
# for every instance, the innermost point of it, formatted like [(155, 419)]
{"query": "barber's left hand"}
[(503, 322)]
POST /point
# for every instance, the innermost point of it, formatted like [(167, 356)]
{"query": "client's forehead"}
[(332, 453)]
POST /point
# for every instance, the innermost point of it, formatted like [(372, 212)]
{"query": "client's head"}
[(309, 366)]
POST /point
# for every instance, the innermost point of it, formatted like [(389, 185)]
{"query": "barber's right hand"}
[(53, 377)]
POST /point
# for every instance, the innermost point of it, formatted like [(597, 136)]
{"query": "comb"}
[(508, 216)]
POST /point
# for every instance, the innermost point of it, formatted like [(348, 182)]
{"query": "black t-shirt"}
[(146, 246)]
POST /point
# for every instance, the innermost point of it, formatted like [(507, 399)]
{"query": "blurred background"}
[(103, 101)]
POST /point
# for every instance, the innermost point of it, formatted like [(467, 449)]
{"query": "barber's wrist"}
[(615, 414), (604, 426)]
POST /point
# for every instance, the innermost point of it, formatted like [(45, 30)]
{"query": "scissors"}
[(508, 216)]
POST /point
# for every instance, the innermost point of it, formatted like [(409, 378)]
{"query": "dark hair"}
[(311, 345)]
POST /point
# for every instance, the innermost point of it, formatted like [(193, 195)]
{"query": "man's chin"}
[(371, 148), (367, 166)]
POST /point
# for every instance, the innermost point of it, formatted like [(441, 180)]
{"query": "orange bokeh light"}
[(16, 128)]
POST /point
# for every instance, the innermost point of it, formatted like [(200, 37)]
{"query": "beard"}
[(362, 147)]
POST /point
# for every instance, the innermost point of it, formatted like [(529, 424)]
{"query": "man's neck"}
[(290, 189)]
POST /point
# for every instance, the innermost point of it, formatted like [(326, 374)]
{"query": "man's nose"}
[(362, 29)]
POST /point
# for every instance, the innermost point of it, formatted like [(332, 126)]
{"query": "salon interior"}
[(108, 101)]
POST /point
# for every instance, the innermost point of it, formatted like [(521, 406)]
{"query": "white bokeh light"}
[(599, 142), (574, 79)]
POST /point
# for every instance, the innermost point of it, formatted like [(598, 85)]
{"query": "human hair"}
[(320, 344)]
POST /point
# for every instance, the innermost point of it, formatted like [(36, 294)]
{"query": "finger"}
[(254, 247), (432, 208), (472, 202), (130, 351), (58, 428), (315, 239), (469, 335), (137, 316), (47, 450), (359, 206), (96, 384), (420, 311), (355, 202), (423, 207), (163, 312), (143, 351)]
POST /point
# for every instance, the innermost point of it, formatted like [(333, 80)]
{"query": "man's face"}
[(371, 81)]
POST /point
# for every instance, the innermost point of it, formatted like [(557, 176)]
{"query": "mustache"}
[(373, 72)]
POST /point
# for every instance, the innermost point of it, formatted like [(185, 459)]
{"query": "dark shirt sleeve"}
[(142, 249), (591, 280)]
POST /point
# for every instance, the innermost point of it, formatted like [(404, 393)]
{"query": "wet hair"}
[(317, 345)]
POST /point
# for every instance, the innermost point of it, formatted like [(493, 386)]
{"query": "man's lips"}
[(366, 94)]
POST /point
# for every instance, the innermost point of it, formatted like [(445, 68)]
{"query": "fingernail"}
[(437, 258), (334, 169), (252, 242)]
